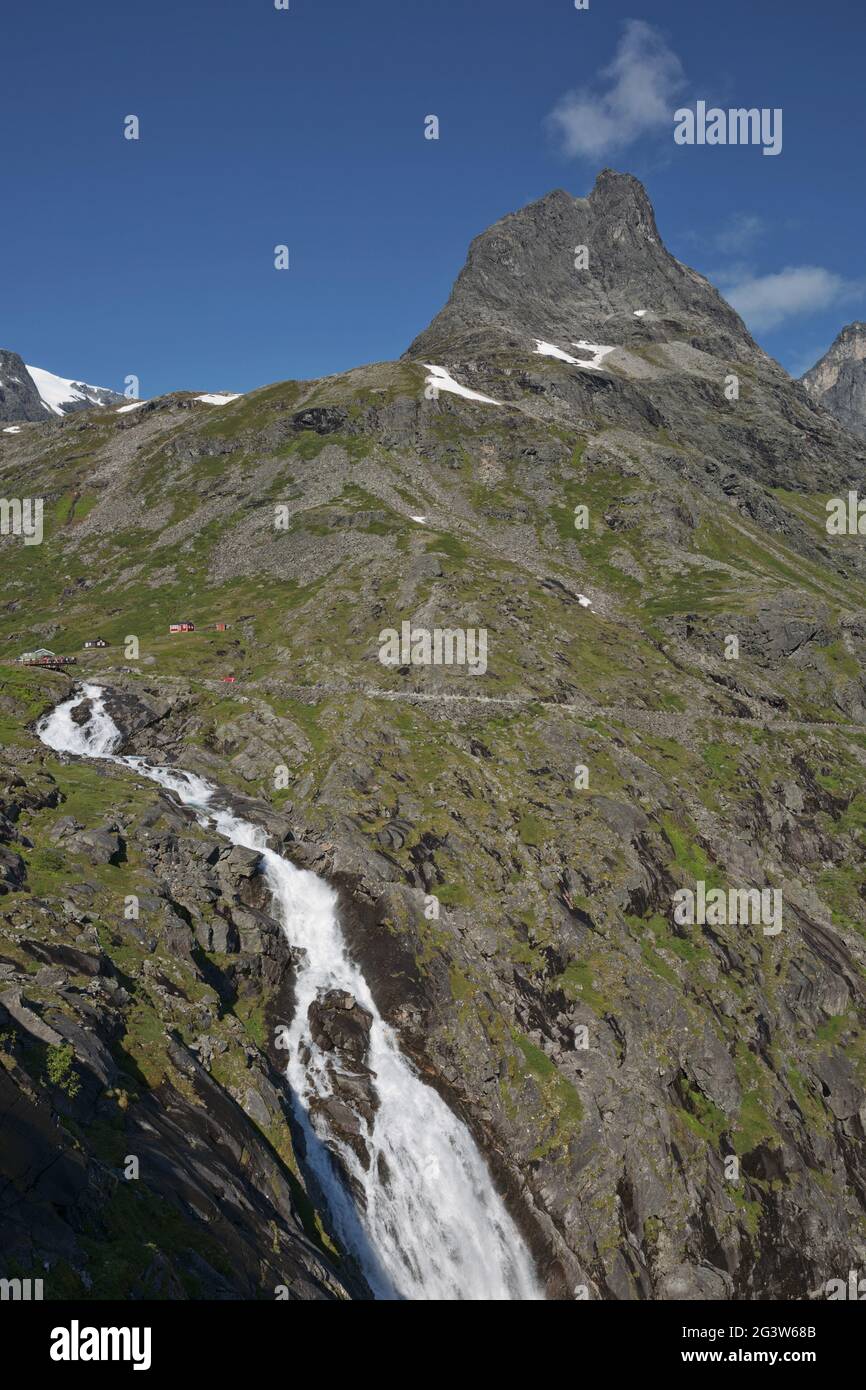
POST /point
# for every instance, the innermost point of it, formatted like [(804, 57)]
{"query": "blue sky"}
[(306, 127)]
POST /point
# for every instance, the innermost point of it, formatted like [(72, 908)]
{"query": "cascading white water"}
[(432, 1225), (97, 738)]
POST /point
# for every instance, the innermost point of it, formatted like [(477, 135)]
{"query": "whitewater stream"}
[(431, 1225)]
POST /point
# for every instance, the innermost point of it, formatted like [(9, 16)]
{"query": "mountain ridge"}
[(30, 394)]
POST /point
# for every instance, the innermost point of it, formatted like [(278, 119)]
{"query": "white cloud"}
[(636, 96), (765, 301)]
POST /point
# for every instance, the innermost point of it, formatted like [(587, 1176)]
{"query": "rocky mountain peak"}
[(838, 380), (622, 206), (19, 398), (595, 269)]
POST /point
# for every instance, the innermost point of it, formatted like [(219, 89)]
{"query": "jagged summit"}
[(521, 280), (838, 380), (624, 205)]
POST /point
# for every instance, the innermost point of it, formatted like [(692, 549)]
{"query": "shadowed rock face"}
[(340, 1028), (838, 380), (520, 279), (209, 1124), (19, 398)]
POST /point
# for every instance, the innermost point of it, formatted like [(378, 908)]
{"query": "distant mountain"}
[(838, 381), (30, 393)]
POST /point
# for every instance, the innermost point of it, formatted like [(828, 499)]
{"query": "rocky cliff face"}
[(671, 1109), (838, 380), (19, 398), (138, 1092)]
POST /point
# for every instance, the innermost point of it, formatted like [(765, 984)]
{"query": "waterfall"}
[(424, 1220)]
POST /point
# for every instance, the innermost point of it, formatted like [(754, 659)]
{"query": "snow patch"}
[(56, 391), (443, 381), (599, 354), (419, 519), (543, 349), (584, 601), (221, 398), (13, 429), (124, 409), (639, 313)]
